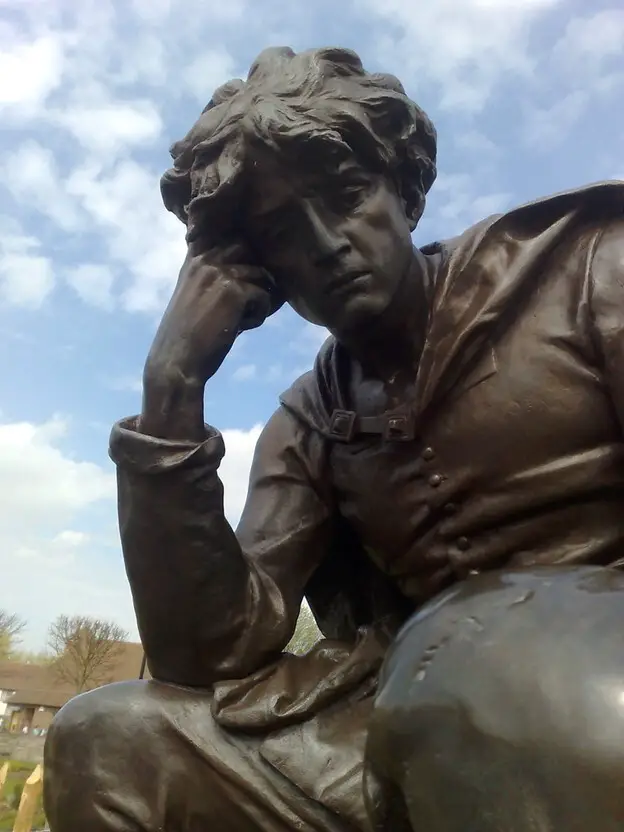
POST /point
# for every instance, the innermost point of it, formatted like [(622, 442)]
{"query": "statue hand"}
[(216, 298)]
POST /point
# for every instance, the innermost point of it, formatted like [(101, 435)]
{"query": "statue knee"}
[(501, 698), (95, 719), (87, 752)]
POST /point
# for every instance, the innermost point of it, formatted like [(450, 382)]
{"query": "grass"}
[(9, 799)]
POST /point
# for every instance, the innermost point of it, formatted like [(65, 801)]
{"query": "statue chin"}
[(303, 310)]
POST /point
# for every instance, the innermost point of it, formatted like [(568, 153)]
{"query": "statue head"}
[(321, 168)]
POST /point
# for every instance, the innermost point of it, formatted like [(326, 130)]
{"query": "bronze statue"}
[(465, 416)]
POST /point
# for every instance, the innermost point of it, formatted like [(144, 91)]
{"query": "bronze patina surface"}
[(464, 417)]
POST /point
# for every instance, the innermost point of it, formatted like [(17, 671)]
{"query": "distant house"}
[(31, 694)]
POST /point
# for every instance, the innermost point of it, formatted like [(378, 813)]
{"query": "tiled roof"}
[(36, 685)]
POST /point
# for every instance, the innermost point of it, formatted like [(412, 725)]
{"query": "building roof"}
[(37, 685), (39, 698)]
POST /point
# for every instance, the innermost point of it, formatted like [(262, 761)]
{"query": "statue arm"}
[(212, 604), (607, 309)]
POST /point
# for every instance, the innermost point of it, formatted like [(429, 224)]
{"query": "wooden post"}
[(29, 801), (3, 776)]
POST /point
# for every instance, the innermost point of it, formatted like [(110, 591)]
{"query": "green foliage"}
[(9, 800), (15, 795), (18, 767), (306, 633), (7, 820)]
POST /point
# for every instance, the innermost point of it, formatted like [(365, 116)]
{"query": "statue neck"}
[(393, 345)]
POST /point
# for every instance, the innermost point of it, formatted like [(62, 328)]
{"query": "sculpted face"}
[(335, 238)]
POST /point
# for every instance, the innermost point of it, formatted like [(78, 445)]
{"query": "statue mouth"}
[(344, 281)]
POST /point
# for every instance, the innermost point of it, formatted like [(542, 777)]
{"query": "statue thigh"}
[(501, 706)]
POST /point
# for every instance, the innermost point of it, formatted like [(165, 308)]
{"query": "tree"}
[(306, 633), (11, 627), (85, 650), (40, 657)]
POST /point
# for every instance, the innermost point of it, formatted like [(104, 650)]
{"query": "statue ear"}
[(413, 211), (414, 203)]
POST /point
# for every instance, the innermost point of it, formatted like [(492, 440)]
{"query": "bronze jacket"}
[(510, 453)]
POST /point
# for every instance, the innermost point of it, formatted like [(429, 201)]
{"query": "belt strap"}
[(393, 427)]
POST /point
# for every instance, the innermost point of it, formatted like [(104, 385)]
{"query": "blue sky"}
[(526, 97)]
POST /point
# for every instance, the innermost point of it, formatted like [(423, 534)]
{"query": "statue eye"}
[(353, 193)]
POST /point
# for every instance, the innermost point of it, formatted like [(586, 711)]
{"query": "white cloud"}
[(152, 11), (245, 372), (149, 65), (29, 71), (124, 204), (93, 283), (466, 47), (110, 127), (577, 70), (128, 383), (310, 338), (274, 373), (40, 484), (31, 175), (71, 538), (545, 128), (456, 201), (197, 13), (26, 279), (26, 276), (473, 141), (234, 470), (105, 45), (49, 560), (59, 551), (208, 71), (590, 41), (44, 494)]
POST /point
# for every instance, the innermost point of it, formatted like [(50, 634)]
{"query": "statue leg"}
[(501, 706), (148, 757)]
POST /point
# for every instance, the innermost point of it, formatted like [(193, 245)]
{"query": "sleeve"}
[(212, 604), (607, 309)]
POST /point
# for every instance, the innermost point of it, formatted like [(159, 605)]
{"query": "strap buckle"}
[(342, 425), (399, 428)]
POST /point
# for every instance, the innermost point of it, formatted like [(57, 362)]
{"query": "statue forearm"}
[(172, 408), (195, 593)]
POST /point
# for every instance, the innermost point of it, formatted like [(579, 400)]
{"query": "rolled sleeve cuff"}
[(131, 450)]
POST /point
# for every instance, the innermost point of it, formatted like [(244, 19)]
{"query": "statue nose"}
[(326, 237)]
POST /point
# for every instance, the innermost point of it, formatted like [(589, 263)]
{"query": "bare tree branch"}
[(85, 650), (11, 627)]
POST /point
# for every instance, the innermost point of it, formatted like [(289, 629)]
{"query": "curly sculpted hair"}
[(321, 96)]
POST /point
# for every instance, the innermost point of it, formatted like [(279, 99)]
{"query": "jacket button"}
[(428, 454), (435, 480), (463, 544)]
